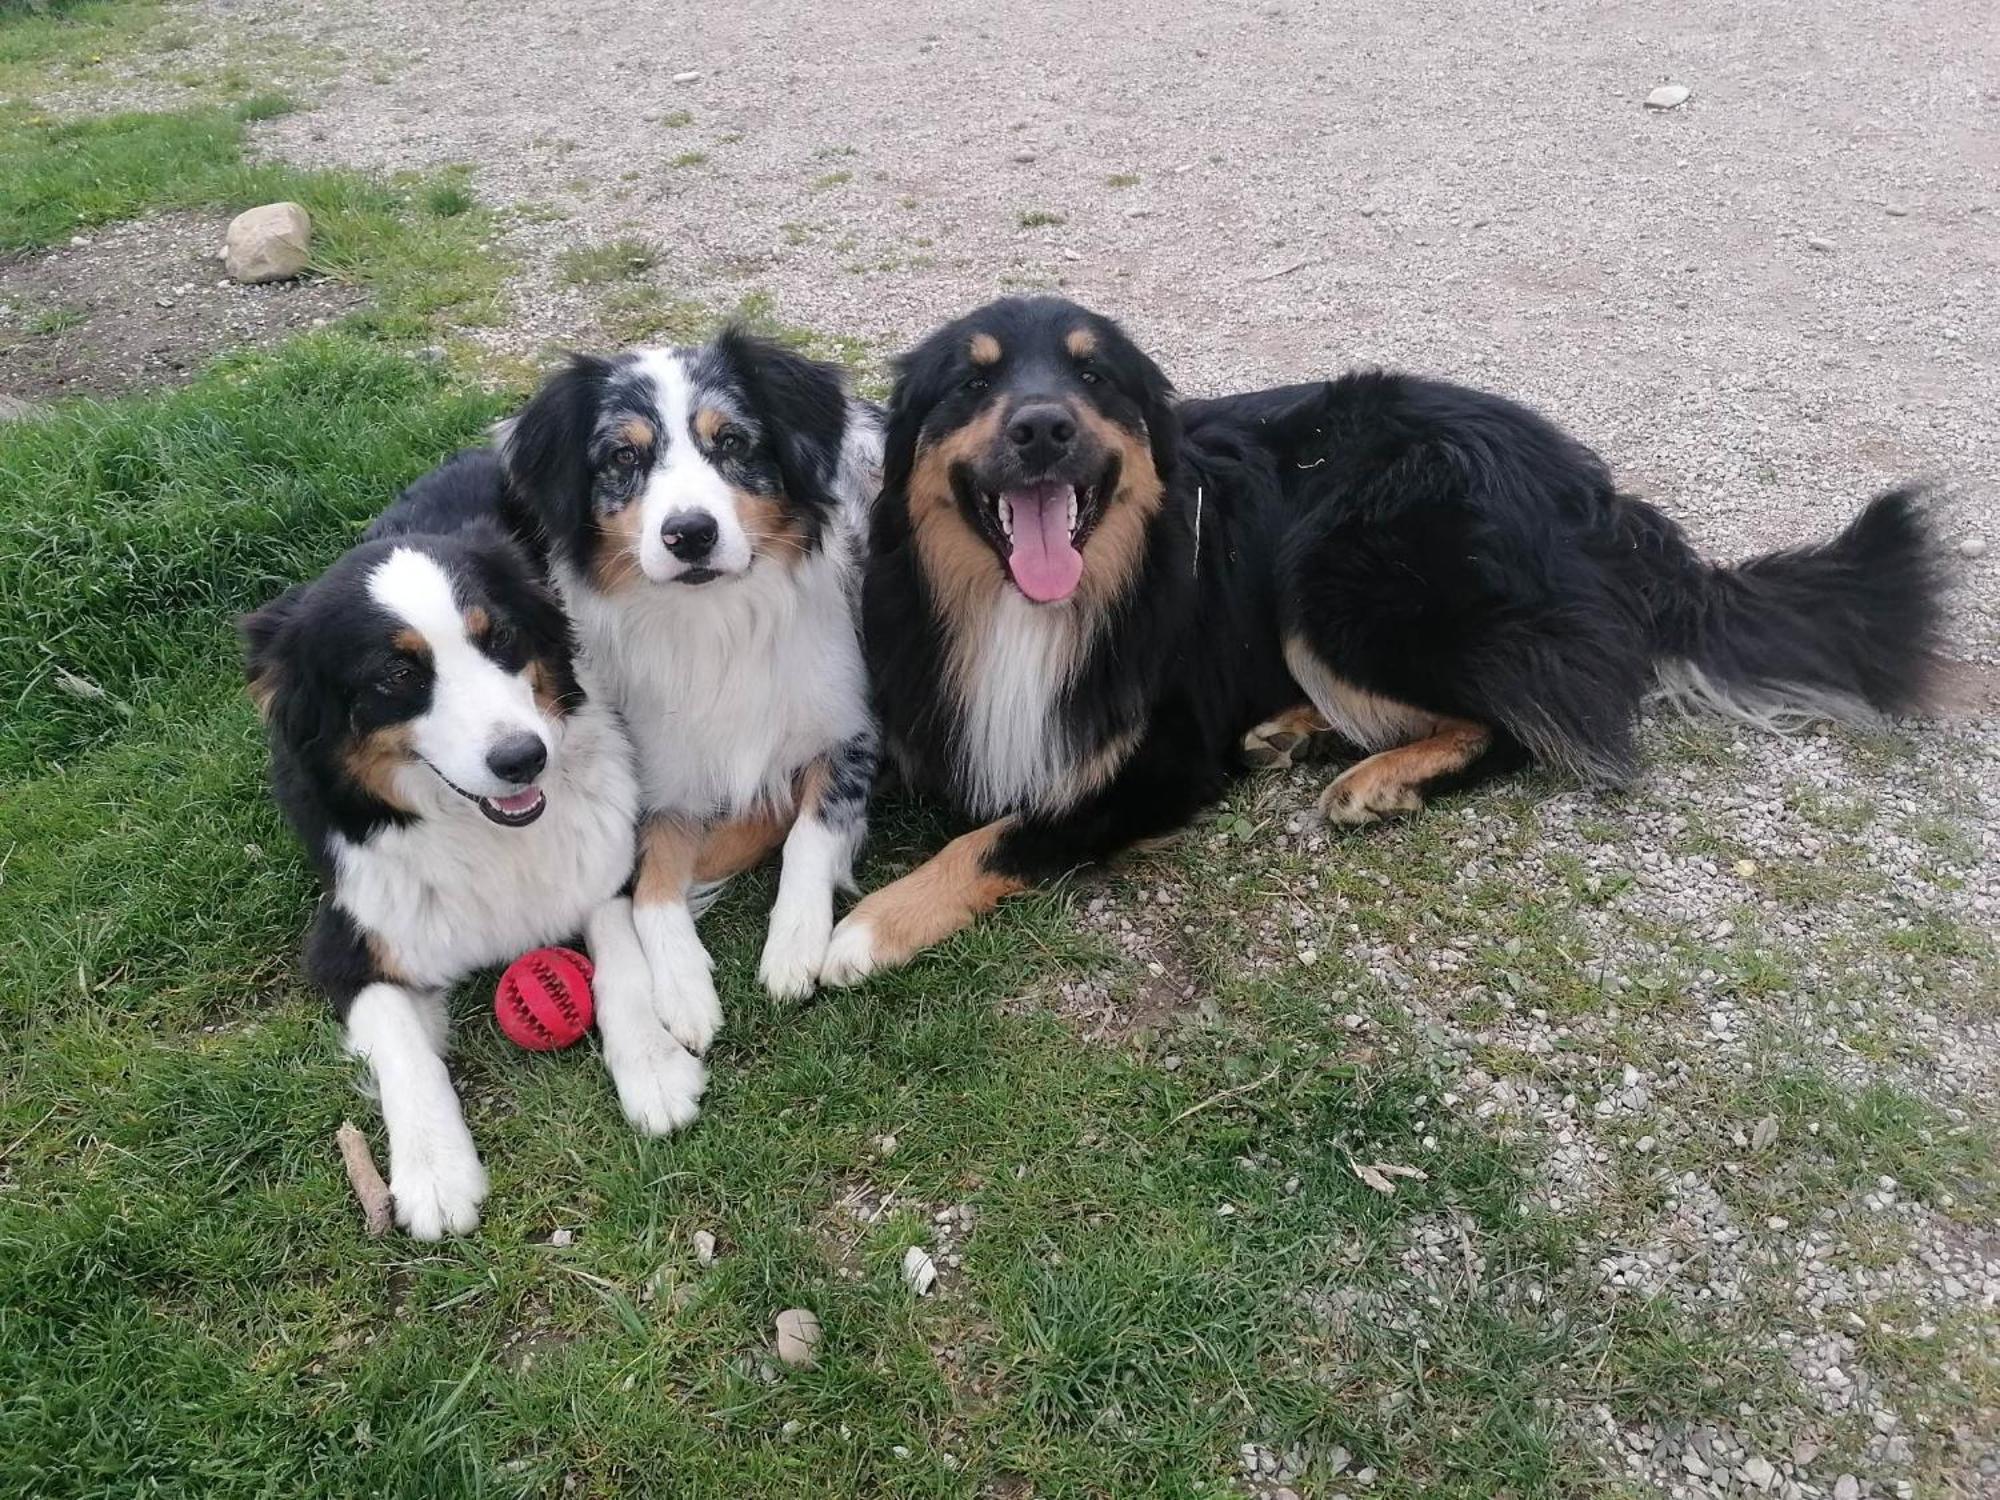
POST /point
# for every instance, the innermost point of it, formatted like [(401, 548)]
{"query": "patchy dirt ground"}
[(139, 305), (1759, 305)]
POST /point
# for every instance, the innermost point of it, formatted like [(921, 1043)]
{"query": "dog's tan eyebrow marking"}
[(477, 621), (1082, 343), (984, 349), (411, 642), (709, 422), (637, 431)]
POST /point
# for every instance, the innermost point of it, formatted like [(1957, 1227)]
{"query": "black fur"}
[(1433, 545)]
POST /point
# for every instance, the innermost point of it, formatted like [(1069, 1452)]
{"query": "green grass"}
[(414, 245), (613, 261), (688, 159), (1041, 218)]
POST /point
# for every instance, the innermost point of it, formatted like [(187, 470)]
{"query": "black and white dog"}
[(1084, 596), (466, 795), (703, 513)]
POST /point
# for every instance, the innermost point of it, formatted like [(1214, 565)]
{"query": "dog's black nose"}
[(519, 758), (1042, 433), (690, 536)]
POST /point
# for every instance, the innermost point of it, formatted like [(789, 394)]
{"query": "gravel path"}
[(1760, 305)]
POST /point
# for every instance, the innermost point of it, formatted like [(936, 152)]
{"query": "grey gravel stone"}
[(1667, 96)]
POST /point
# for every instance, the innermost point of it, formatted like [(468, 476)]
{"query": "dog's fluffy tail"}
[(1847, 629)]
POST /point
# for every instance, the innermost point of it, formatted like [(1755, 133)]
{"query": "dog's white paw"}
[(684, 995), (437, 1184), (850, 953), (793, 951), (659, 1081)]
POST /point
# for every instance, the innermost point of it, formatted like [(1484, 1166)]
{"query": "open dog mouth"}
[(1042, 528), (515, 810)]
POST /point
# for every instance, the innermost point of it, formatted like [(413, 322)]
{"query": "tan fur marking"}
[(614, 562), (542, 683), (637, 431), (411, 643), (669, 850), (941, 896), (263, 688), (775, 531), (1393, 781), (1362, 718), (1082, 342), (477, 622), (740, 844), (1112, 551), (959, 567), (374, 759), (709, 422), (1286, 738), (384, 961), (983, 350)]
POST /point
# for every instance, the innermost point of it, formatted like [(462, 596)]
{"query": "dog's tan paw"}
[(1356, 800)]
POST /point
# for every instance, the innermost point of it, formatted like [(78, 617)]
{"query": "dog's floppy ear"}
[(263, 633), (801, 402), (915, 392), (545, 449), (1157, 404)]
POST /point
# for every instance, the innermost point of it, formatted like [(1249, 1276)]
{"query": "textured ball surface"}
[(543, 1001)]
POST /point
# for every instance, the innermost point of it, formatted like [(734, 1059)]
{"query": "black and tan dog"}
[(1081, 596)]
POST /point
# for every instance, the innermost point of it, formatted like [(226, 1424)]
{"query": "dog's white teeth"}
[(1006, 509), (1072, 512)]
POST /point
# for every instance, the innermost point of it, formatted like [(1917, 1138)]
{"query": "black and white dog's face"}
[(416, 659), (680, 467)]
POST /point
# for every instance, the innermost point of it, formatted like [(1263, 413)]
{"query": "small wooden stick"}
[(367, 1182)]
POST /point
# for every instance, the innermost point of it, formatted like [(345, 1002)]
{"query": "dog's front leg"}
[(682, 985), (659, 1081), (819, 859), (435, 1176), (948, 892)]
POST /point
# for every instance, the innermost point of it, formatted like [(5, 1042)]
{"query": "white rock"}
[(689, 77), (562, 1239), (885, 1145), (1972, 546), (919, 1270), (1824, 247), (1847, 1487), (1667, 96), (798, 1336), (272, 243), (1759, 1472), (704, 1247)]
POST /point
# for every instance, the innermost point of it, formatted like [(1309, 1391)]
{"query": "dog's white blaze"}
[(451, 891), (474, 704), (684, 480), (1014, 750)]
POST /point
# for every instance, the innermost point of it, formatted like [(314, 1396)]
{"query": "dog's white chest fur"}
[(1014, 750), (728, 689), (453, 891)]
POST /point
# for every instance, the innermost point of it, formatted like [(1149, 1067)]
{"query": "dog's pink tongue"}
[(1044, 561)]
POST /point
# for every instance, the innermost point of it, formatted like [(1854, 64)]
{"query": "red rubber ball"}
[(543, 1001)]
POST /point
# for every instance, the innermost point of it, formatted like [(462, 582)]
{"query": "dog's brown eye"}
[(732, 441), (625, 456), (976, 383), (1089, 377), (399, 673)]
